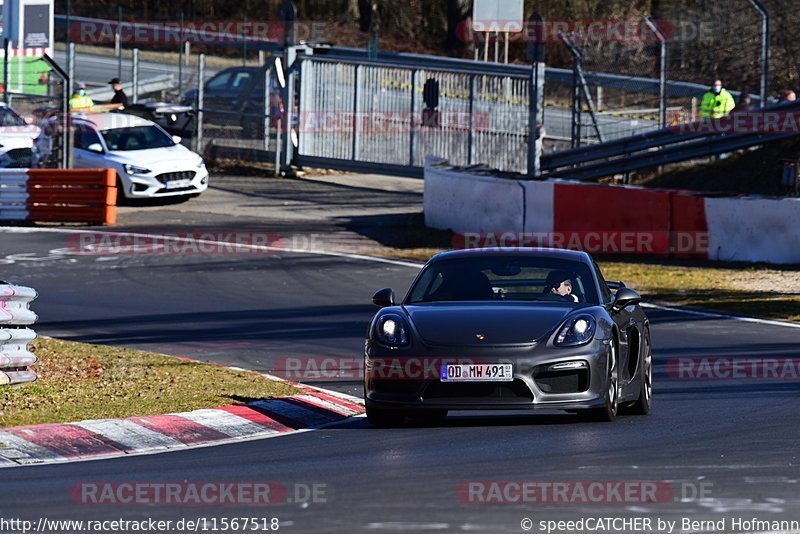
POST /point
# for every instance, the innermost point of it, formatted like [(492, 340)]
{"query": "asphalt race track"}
[(735, 441)]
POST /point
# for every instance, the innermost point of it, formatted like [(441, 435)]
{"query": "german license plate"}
[(177, 184), (499, 372)]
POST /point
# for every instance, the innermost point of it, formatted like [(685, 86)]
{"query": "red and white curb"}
[(106, 438)]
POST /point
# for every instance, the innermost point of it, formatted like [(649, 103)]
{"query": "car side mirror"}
[(95, 147), (384, 298), (177, 139), (625, 297)]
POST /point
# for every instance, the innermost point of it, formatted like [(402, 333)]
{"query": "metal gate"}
[(374, 116)]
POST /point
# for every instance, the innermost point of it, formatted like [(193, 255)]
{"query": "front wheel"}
[(608, 412), (645, 400), (385, 418)]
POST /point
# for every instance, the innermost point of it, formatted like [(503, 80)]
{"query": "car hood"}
[(18, 136), (501, 323), (177, 157)]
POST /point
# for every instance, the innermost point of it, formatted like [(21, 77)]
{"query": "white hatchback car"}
[(16, 138), (149, 162)]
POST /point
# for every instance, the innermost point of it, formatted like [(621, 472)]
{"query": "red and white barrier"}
[(15, 315), (611, 219), (58, 195)]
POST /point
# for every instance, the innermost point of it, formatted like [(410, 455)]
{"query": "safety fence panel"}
[(16, 360), (374, 115)]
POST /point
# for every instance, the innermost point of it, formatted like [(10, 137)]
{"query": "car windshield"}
[(500, 278), (136, 138), (9, 118)]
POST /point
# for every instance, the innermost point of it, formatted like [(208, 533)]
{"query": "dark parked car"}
[(175, 119), (239, 92), (509, 329)]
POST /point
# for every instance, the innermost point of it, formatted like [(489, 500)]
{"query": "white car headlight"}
[(576, 331), (201, 164), (391, 330), (133, 169)]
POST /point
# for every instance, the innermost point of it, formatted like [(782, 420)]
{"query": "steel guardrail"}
[(668, 142), (16, 316)]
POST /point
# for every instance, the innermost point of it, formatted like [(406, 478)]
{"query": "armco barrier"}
[(15, 316), (661, 223), (58, 195)]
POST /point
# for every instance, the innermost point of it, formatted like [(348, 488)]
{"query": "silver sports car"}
[(508, 329)]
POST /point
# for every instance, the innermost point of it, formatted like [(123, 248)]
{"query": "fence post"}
[(473, 80), (201, 74), (135, 75), (289, 114), (357, 74), (180, 56), (535, 95), (764, 49), (267, 106), (662, 72), (118, 42), (411, 136)]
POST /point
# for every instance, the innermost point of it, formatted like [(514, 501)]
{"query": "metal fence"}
[(376, 114), (15, 316)]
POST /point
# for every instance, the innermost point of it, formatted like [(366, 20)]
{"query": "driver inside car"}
[(560, 283)]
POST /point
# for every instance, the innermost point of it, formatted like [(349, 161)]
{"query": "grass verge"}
[(78, 381)]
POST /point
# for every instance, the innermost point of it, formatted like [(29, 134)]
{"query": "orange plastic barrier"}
[(72, 195)]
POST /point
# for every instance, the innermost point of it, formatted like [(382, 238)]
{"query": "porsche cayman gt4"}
[(494, 329)]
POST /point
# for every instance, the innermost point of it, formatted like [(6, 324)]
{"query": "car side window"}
[(605, 293), (220, 81), (85, 137), (240, 81)]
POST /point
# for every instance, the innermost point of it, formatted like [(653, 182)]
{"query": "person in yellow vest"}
[(717, 102), (80, 101)]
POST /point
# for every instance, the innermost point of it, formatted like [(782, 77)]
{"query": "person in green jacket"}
[(717, 102), (80, 101)]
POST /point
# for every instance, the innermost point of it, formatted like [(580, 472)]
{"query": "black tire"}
[(608, 413), (644, 402), (428, 417), (385, 418)]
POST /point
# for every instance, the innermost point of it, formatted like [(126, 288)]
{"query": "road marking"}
[(362, 257), (714, 315)]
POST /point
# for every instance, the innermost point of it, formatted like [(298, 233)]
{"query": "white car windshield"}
[(136, 138)]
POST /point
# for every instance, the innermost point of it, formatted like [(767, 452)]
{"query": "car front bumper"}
[(397, 379), (151, 186)]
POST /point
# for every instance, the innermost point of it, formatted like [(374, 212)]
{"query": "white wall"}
[(753, 229), (464, 202)]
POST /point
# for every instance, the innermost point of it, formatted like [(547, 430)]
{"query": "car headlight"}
[(577, 331), (201, 164), (133, 169), (391, 330)]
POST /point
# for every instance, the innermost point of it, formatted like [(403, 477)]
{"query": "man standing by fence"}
[(717, 102)]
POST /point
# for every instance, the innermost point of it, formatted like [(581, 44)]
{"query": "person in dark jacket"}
[(119, 95)]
